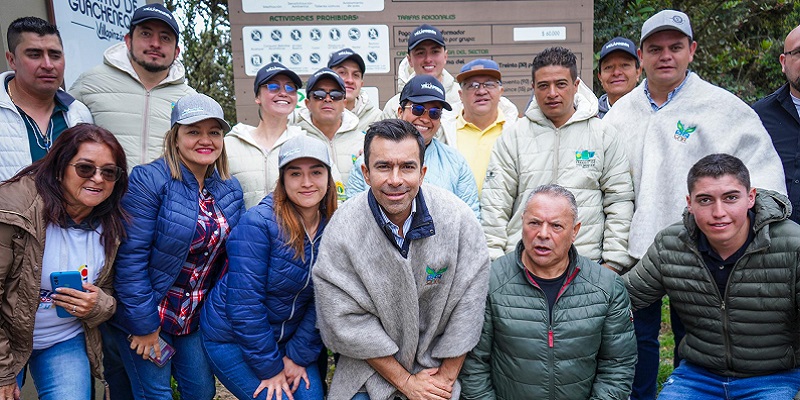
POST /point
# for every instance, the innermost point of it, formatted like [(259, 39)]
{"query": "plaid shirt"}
[(206, 261)]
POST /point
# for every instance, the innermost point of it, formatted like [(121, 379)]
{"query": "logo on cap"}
[(428, 85), (191, 110), (345, 53), (617, 44), (677, 19), (273, 68), (290, 153), (421, 31), (158, 11)]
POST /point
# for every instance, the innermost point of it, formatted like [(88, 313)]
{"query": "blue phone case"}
[(68, 279)]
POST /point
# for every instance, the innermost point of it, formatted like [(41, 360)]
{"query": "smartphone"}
[(167, 352), (68, 279)]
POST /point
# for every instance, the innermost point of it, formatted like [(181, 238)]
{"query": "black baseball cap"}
[(425, 32), (344, 55), (422, 89), (269, 71), (325, 73), (618, 44), (155, 11)]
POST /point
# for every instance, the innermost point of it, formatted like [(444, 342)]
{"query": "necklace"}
[(44, 141)]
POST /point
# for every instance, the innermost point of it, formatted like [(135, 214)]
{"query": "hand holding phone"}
[(140, 343), (67, 279)]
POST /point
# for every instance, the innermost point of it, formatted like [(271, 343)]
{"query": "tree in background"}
[(739, 41), (206, 49)]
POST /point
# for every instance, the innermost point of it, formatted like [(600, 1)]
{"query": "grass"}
[(667, 345)]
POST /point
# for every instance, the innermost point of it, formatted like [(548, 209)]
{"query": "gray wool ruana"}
[(372, 302)]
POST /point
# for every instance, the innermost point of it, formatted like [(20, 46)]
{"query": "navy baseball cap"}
[(325, 73), (344, 55), (422, 89), (480, 66), (158, 12), (269, 71), (195, 108), (618, 44), (425, 32)]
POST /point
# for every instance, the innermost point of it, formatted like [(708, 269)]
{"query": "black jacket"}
[(779, 116)]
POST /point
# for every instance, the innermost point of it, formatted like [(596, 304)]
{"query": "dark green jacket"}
[(755, 329), (592, 352)]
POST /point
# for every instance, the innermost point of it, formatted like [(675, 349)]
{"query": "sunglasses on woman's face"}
[(111, 173), (320, 94), (276, 88), (419, 110)]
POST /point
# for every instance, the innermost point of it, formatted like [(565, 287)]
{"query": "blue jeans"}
[(61, 371), (691, 382), (647, 325), (188, 366), (227, 361), (119, 386)]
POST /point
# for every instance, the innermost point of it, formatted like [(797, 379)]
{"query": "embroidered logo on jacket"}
[(683, 132), (585, 158), (434, 276)]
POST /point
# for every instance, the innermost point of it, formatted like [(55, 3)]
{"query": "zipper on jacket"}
[(145, 128), (296, 295), (556, 146)]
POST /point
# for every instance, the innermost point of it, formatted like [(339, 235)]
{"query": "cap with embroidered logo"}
[(195, 108), (303, 146), (269, 71), (158, 12), (422, 89), (344, 55), (618, 44), (425, 32), (666, 20), (325, 73)]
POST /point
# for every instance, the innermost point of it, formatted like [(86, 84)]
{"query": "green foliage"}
[(667, 341), (206, 49), (739, 41)]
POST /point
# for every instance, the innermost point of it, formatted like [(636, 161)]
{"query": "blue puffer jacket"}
[(265, 303), (161, 228)]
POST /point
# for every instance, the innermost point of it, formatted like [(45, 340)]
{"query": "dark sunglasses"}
[(320, 94), (276, 87), (419, 110), (111, 173)]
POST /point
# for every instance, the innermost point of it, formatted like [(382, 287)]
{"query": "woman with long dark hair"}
[(182, 208), (61, 216), (259, 325)]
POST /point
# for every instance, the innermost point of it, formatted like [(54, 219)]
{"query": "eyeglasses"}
[(320, 94), (276, 87), (792, 53), (488, 85), (111, 173), (419, 110)]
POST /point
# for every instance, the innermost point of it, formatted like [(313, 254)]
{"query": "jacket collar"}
[(785, 99), (117, 57), (421, 224), (5, 100)]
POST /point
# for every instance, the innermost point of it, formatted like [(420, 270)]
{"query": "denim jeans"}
[(189, 366), (227, 361), (119, 386), (691, 382), (61, 371)]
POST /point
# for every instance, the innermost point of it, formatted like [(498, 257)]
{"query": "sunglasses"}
[(419, 110), (276, 87), (320, 94), (111, 173)]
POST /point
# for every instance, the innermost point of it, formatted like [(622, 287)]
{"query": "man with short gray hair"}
[(545, 298)]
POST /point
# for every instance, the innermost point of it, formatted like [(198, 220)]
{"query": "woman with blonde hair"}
[(259, 324), (182, 206)]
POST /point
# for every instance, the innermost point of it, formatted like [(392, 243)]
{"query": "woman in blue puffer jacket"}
[(259, 325), (182, 208)]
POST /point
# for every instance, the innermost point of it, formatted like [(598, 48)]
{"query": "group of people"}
[(446, 247)]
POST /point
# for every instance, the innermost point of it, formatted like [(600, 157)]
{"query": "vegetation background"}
[(739, 42)]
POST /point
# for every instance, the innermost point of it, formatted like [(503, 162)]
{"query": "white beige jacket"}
[(585, 156)]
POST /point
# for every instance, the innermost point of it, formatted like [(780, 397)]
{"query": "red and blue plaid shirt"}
[(207, 260)]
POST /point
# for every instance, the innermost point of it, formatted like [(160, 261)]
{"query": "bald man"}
[(779, 114)]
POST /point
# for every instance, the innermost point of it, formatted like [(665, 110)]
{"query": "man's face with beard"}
[(790, 60), (152, 45)]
